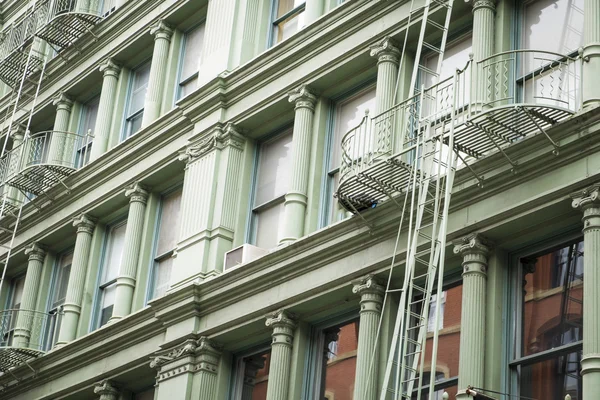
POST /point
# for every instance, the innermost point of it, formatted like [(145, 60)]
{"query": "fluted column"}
[(110, 72), (59, 142), (106, 390), (484, 13), (138, 196), (588, 201), (296, 197), (474, 250), (367, 355), (27, 318), (388, 57), (72, 307), (591, 53), (208, 356), (156, 82), (283, 325), (15, 197)]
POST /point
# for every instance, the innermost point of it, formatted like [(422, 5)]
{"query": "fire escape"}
[(34, 163)]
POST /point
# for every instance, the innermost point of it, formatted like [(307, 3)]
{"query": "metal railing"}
[(58, 8), (28, 329)]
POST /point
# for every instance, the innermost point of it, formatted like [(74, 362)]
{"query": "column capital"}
[(371, 293), (62, 102), (164, 357), (106, 388), (160, 30), (302, 97), (385, 50), (137, 193), (231, 135), (588, 201), (18, 132), (283, 324), (84, 223), (35, 252), (209, 354), (475, 249), (110, 68), (478, 4), (219, 138)]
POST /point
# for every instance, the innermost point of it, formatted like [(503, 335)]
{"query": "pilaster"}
[(138, 197), (106, 390), (283, 325), (156, 82), (474, 249), (371, 294), (588, 201), (72, 308), (207, 368), (388, 58), (110, 73), (296, 198), (591, 53), (60, 145), (209, 203)]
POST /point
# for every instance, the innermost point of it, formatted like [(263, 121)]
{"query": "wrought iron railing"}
[(27, 329), (61, 7)]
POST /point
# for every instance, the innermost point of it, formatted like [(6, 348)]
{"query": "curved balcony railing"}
[(25, 334)]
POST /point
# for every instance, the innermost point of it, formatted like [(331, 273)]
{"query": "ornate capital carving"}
[(35, 252), (137, 193), (283, 324), (229, 136), (161, 30), (209, 354), (167, 356), (84, 224), (62, 102), (474, 248), (479, 4), (588, 200), (385, 51), (106, 390), (18, 133), (110, 68), (302, 98), (371, 293), (220, 138)]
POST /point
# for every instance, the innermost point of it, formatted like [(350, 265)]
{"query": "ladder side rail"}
[(415, 73)]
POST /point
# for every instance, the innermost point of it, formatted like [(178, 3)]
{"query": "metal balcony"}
[(44, 160), (490, 105), (25, 334), (67, 20)]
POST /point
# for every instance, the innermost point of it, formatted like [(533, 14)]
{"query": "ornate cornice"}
[(588, 200), (161, 30), (302, 98), (84, 223), (110, 68), (168, 356), (478, 4), (220, 138), (35, 252), (137, 193), (61, 101), (106, 390), (385, 51)]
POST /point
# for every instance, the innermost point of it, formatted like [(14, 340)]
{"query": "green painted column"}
[(296, 197), (176, 367), (158, 70), (475, 250), (138, 197), (27, 318), (371, 294), (60, 141), (314, 9), (106, 390), (588, 201), (484, 16), (18, 135), (72, 308), (591, 53), (208, 356), (283, 325), (108, 97), (388, 57)]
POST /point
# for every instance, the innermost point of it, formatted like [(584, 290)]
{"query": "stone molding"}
[(35, 252), (110, 68), (161, 30), (302, 97), (62, 102), (371, 293), (478, 4), (209, 354), (137, 193), (283, 324), (106, 388), (385, 50), (204, 355), (84, 223), (220, 138), (475, 249)]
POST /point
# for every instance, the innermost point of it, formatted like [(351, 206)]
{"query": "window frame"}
[(181, 80), (52, 307), (129, 115), (275, 21), (236, 378), (84, 144)]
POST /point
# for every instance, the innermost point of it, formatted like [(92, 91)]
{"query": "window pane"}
[(552, 379), (162, 277), (18, 285), (90, 113), (169, 223), (256, 376), (274, 169), (192, 52), (139, 88), (339, 361), (108, 301), (553, 300), (286, 6), (62, 280), (135, 124), (289, 26), (268, 223), (114, 252), (188, 87)]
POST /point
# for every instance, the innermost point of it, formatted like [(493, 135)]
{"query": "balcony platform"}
[(11, 357), (12, 67), (66, 27), (37, 179)]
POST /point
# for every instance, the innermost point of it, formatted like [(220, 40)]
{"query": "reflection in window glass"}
[(166, 242), (552, 379), (137, 98), (253, 376), (110, 270), (192, 52), (288, 18)]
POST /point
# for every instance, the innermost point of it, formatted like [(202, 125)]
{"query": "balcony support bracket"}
[(489, 135), (535, 122), (475, 174)]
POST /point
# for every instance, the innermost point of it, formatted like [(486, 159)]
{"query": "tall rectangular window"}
[(14, 303), (272, 184), (192, 52), (87, 128), (251, 375), (166, 242), (16, 295), (547, 349), (137, 98), (110, 270), (62, 272), (288, 18)]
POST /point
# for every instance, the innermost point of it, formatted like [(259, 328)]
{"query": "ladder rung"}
[(428, 71), (419, 288), (426, 236), (579, 301), (441, 3), (432, 47), (415, 315), (435, 24), (412, 341), (412, 328), (422, 261)]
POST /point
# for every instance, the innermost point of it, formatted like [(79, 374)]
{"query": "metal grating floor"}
[(13, 66), (13, 356), (64, 29), (37, 179)]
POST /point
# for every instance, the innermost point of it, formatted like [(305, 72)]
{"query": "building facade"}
[(191, 207)]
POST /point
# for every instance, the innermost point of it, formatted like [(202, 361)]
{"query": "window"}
[(251, 375), (16, 295), (456, 56), (271, 186), (347, 115), (165, 242), (192, 52), (110, 270), (87, 129), (62, 272), (137, 97), (547, 351), (10, 320), (288, 18), (334, 363)]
